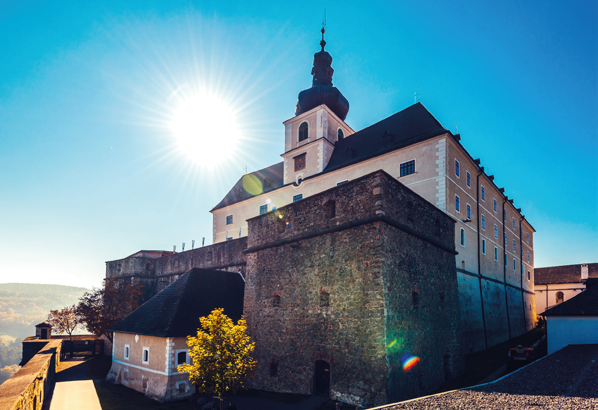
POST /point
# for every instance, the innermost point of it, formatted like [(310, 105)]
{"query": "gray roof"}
[(175, 311), (583, 304), (563, 274), (407, 127), (269, 178)]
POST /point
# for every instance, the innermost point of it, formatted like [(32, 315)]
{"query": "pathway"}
[(73, 390)]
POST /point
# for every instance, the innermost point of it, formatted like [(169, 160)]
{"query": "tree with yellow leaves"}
[(220, 355)]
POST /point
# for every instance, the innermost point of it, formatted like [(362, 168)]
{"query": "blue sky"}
[(89, 169)]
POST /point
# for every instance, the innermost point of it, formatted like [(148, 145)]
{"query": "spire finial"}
[(323, 42)]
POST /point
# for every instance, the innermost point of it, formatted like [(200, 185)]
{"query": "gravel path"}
[(567, 379)]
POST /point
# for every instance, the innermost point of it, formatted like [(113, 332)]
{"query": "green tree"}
[(220, 355), (64, 320), (103, 307)]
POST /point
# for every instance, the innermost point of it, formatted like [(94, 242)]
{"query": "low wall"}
[(27, 389)]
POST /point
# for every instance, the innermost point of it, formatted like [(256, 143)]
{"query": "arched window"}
[(340, 134), (303, 132), (560, 298)]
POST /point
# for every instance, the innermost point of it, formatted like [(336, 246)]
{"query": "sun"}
[(205, 129)]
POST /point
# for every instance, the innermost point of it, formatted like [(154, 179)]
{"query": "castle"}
[(361, 251)]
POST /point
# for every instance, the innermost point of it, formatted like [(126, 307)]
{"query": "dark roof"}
[(410, 126), (43, 324), (585, 303), (258, 182), (175, 311), (563, 274)]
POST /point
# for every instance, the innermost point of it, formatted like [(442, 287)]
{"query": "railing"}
[(27, 388)]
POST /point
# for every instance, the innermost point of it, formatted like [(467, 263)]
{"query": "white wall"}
[(571, 330)]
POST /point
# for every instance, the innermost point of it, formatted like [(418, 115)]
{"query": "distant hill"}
[(23, 305)]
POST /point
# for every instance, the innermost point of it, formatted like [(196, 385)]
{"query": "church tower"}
[(318, 124)]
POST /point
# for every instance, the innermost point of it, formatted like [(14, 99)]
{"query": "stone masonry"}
[(357, 276)]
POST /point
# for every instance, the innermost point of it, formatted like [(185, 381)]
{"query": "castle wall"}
[(158, 273), (312, 294)]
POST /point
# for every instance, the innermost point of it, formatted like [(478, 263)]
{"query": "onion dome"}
[(322, 91)]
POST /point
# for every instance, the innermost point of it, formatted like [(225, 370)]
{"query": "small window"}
[(506, 262), (340, 134), (342, 182), (457, 171), (529, 276), (495, 205), (528, 238), (483, 246), (407, 168), (276, 301), (274, 367), (415, 299), (560, 297), (528, 256), (303, 132), (495, 254), (324, 299), (229, 220), (457, 206), (483, 193), (505, 245), (229, 238), (182, 388), (514, 264), (468, 179), (127, 352), (495, 231), (504, 214), (299, 162), (468, 211), (514, 246), (297, 197), (263, 209), (483, 222), (145, 358), (462, 237), (513, 222), (330, 209), (181, 358)]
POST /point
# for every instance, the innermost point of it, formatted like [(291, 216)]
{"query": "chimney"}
[(584, 272)]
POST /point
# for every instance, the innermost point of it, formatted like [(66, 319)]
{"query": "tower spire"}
[(323, 42)]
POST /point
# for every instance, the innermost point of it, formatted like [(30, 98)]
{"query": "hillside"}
[(23, 305)]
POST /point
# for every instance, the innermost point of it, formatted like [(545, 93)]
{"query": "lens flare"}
[(391, 344), (409, 361), (252, 184)]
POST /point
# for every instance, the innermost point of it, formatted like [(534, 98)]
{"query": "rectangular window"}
[(495, 231), (341, 183), (457, 206), (483, 193), (462, 237), (145, 358), (468, 211), (528, 256), (297, 197), (484, 246), (457, 172), (513, 222), (229, 219), (506, 262), (504, 214), (181, 358), (468, 179), (263, 209), (483, 222), (229, 238), (529, 276), (496, 254), (514, 246), (514, 265), (407, 168), (495, 205), (505, 245), (528, 238), (127, 352)]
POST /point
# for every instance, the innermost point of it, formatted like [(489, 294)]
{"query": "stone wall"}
[(27, 389), (334, 277), (157, 273)]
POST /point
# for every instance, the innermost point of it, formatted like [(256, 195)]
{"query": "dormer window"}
[(303, 132), (340, 134)]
